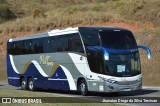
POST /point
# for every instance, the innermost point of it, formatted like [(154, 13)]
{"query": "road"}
[(145, 92)]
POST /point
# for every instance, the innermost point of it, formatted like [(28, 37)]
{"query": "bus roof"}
[(69, 30), (106, 28)]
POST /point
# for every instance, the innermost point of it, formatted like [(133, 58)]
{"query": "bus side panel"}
[(59, 80), (39, 80), (13, 77)]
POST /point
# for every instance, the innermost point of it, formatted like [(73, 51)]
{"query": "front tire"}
[(23, 84), (83, 88), (31, 84)]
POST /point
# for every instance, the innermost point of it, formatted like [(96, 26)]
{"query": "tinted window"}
[(62, 43), (38, 45), (75, 44), (123, 65), (96, 61), (46, 45), (51, 45), (69, 42), (23, 44), (90, 37), (11, 48), (117, 39), (30, 46)]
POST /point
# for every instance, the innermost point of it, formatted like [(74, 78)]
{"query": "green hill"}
[(22, 15)]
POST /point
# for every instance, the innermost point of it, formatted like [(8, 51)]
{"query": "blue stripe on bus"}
[(114, 51)]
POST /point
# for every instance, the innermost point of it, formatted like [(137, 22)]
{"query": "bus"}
[(84, 59)]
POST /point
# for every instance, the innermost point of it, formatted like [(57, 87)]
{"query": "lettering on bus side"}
[(45, 60)]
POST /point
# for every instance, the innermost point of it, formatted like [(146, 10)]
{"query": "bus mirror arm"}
[(106, 54), (147, 50)]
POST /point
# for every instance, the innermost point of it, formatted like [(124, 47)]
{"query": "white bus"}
[(84, 59)]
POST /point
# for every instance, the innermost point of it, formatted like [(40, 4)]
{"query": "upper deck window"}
[(117, 39), (90, 37)]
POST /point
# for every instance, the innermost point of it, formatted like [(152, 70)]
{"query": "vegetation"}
[(24, 17), (150, 68), (40, 15)]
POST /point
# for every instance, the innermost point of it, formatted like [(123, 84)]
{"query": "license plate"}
[(121, 68)]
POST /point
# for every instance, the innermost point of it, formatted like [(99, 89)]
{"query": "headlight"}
[(139, 79), (111, 81), (107, 80)]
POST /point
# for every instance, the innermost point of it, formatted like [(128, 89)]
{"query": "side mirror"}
[(146, 49)]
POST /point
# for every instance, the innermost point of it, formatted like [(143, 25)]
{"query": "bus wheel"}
[(83, 88), (23, 84), (31, 84)]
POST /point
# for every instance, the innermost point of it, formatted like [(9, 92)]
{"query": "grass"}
[(3, 72), (20, 93)]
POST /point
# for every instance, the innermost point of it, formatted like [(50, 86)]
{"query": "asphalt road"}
[(145, 92)]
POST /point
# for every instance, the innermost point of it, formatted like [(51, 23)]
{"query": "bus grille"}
[(127, 82)]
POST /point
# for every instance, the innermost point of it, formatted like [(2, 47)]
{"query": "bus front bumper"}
[(121, 86)]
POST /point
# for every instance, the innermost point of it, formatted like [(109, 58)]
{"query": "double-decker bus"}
[(84, 59)]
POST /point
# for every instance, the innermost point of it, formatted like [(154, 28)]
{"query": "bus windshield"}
[(123, 65), (117, 39), (120, 65)]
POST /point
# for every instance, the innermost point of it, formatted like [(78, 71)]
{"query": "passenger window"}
[(75, 45), (59, 44), (51, 45), (62, 43)]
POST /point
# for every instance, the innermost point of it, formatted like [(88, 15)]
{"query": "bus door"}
[(96, 61), (96, 64)]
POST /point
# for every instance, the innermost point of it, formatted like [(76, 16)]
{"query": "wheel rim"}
[(23, 84), (30, 85), (83, 88)]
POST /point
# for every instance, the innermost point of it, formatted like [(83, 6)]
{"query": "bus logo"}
[(45, 60)]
